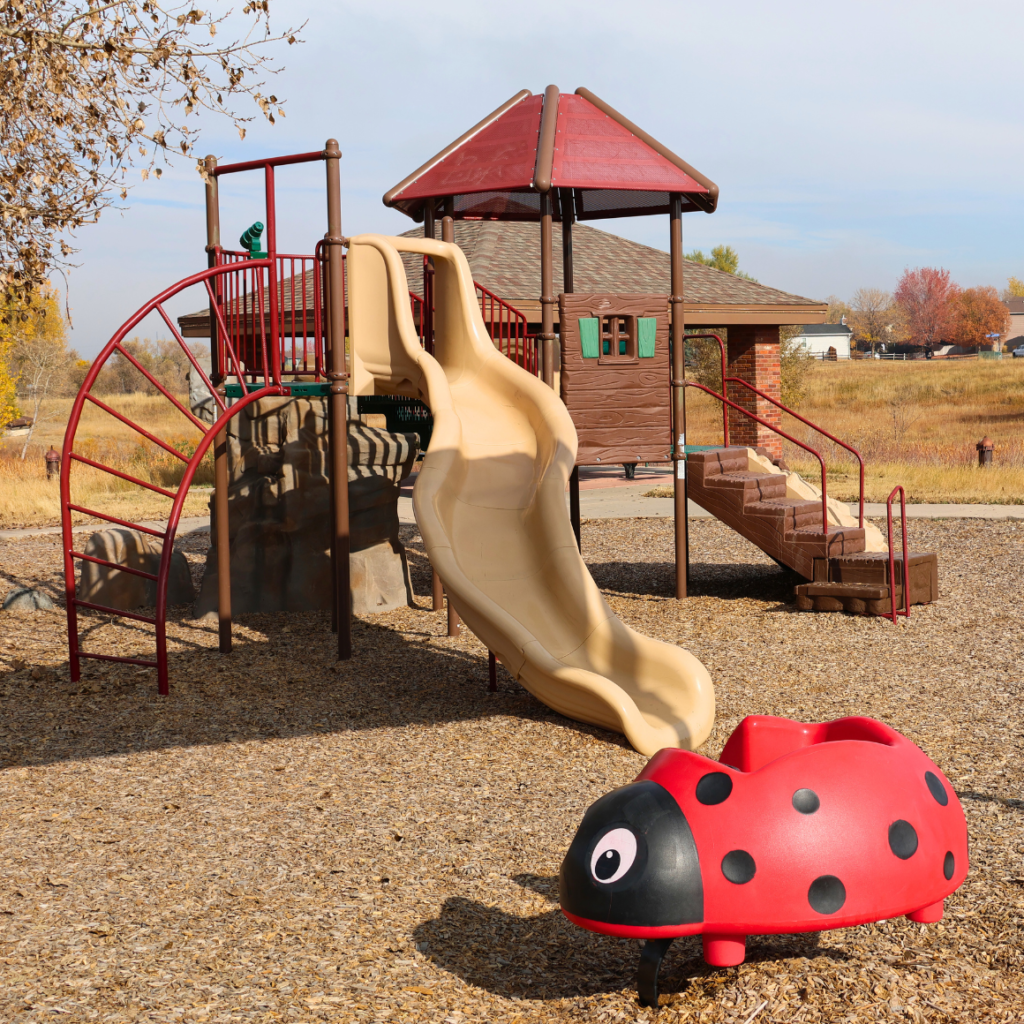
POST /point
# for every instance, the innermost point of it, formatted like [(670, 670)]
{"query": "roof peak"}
[(573, 146)]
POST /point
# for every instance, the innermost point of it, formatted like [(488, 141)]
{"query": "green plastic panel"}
[(295, 388), (646, 329), (590, 336)]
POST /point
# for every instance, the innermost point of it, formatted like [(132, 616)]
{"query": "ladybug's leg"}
[(647, 976), (724, 950), (927, 915)]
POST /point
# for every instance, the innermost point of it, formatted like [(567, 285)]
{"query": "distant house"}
[(817, 339), (1015, 336)]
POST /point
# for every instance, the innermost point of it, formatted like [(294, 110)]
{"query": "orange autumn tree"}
[(980, 312)]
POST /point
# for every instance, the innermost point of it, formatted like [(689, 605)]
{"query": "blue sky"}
[(849, 140)]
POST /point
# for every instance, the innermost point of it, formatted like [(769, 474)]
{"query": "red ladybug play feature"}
[(799, 827)]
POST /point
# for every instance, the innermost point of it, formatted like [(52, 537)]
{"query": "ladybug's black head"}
[(633, 862)]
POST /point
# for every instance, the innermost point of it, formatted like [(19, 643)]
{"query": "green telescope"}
[(250, 241)]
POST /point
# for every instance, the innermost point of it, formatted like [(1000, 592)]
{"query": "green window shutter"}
[(589, 336), (646, 328)]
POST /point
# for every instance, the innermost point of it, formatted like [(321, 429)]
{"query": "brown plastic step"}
[(854, 598), (755, 486), (794, 512), (872, 567), (718, 461), (841, 540)]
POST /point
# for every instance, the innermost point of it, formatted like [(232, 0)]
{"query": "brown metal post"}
[(547, 287), (565, 199), (678, 393), (448, 235), (574, 504), (566, 202), (492, 672), (338, 411), (222, 535)]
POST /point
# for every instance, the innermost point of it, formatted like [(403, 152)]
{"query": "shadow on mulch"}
[(286, 684), (727, 581), (547, 957)]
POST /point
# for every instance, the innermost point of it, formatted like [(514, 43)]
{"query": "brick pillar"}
[(753, 355)]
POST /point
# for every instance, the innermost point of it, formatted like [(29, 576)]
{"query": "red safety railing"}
[(248, 341), (784, 408), (508, 328), (892, 560), (506, 325)]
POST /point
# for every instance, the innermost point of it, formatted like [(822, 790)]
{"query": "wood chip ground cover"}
[(287, 839)]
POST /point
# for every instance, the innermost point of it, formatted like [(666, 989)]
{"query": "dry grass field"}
[(27, 498), (377, 842), (915, 423)]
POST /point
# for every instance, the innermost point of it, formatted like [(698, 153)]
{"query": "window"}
[(618, 339)]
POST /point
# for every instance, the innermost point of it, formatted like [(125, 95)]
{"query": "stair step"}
[(763, 485), (813, 534), (865, 591), (795, 512), (718, 461)]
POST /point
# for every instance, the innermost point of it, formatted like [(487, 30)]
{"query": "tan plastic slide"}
[(490, 504)]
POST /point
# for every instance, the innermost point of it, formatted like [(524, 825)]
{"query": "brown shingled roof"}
[(505, 258)]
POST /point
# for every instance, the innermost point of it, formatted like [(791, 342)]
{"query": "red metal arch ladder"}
[(247, 323)]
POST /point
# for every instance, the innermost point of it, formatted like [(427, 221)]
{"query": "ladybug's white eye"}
[(613, 856)]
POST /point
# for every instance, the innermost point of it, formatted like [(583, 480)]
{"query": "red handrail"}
[(781, 433), (785, 408), (504, 323), (892, 561)]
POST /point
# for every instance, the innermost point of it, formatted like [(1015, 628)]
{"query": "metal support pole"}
[(448, 235), (222, 528), (565, 199), (339, 400), (678, 394), (547, 287), (492, 672), (574, 504)]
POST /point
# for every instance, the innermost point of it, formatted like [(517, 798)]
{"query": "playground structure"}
[(798, 827), (278, 327)]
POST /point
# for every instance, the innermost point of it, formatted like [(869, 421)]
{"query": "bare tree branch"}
[(88, 91)]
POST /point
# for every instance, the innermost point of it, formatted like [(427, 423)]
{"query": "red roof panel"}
[(593, 151), (499, 157)]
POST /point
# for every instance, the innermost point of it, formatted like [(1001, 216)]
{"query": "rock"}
[(279, 511), (27, 599), (199, 397), (124, 590)]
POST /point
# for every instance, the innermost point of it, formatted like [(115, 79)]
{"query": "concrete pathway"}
[(618, 501), (188, 525)]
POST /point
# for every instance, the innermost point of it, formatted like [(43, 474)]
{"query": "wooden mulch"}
[(287, 839)]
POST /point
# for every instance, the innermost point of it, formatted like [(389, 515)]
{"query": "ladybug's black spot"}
[(948, 864), (806, 801), (738, 866), (826, 894), (936, 788), (714, 787), (902, 839)]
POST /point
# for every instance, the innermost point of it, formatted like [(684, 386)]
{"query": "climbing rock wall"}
[(100, 584), (279, 505)]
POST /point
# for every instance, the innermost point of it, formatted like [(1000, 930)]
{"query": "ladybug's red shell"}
[(799, 827)]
